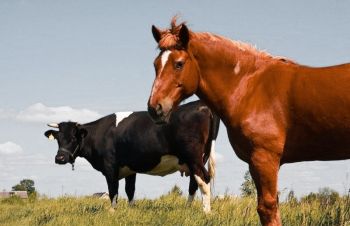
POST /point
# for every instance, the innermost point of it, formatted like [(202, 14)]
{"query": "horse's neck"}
[(221, 79)]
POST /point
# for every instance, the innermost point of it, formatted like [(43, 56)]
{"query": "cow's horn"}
[(53, 125)]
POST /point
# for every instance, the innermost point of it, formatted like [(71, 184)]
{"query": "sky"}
[(81, 60)]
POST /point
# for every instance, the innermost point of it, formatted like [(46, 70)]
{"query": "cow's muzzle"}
[(64, 155), (61, 159)]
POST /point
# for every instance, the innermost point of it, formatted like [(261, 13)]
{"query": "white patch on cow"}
[(168, 164), (205, 190), (237, 68), (163, 59), (124, 172), (119, 116)]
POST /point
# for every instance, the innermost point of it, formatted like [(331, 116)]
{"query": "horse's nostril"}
[(159, 110)]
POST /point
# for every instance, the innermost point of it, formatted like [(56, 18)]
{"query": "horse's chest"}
[(240, 143)]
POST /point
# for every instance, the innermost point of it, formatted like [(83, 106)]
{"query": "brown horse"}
[(275, 110)]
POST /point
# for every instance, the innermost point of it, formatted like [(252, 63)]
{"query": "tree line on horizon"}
[(247, 189)]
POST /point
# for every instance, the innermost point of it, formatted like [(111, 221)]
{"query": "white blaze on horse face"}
[(163, 59), (119, 116), (205, 190)]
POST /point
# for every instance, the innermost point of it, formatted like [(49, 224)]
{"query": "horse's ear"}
[(156, 33), (184, 35)]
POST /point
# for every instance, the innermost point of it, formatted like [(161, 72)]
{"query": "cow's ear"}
[(82, 132), (51, 134)]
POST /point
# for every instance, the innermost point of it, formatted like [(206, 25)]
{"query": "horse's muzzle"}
[(158, 115)]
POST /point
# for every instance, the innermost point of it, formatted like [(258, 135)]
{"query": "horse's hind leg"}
[(192, 189), (264, 168)]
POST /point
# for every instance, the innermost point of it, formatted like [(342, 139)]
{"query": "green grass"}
[(169, 209)]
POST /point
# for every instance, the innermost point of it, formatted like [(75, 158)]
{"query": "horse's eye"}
[(179, 65)]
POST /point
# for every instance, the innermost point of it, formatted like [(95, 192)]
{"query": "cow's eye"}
[(179, 64)]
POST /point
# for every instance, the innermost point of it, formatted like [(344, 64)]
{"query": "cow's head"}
[(69, 137)]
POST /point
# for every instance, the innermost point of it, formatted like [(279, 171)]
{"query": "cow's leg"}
[(192, 189), (264, 168), (113, 185), (130, 187), (202, 178)]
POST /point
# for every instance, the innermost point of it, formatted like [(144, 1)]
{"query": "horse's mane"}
[(170, 39)]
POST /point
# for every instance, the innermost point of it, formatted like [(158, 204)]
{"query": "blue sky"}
[(80, 60)]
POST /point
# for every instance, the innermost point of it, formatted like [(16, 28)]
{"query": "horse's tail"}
[(214, 130)]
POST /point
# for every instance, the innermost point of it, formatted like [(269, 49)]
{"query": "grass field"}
[(169, 209)]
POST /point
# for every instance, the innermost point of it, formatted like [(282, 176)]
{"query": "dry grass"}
[(169, 209)]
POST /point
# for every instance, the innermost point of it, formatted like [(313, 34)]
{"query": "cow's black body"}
[(137, 145)]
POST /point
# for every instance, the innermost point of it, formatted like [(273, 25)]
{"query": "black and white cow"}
[(121, 145)]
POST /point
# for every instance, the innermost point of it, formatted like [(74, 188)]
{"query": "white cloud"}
[(6, 113), (10, 148), (41, 113)]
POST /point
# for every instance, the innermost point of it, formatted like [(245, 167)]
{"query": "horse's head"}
[(177, 73)]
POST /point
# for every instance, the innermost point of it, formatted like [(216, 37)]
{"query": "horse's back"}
[(319, 114), (321, 92)]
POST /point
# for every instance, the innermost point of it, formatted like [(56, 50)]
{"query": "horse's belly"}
[(308, 144)]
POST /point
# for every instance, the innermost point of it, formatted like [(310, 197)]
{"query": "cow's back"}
[(140, 142)]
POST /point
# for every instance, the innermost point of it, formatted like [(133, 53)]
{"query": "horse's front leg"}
[(264, 166)]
